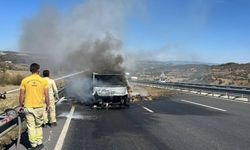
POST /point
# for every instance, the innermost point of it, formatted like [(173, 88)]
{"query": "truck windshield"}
[(110, 80)]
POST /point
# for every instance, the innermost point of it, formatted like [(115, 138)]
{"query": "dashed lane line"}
[(147, 109), (219, 98), (63, 134), (207, 106)]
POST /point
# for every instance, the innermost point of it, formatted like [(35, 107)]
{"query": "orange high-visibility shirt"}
[(34, 87)]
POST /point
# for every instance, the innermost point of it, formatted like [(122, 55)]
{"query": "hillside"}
[(223, 74), (175, 71), (14, 57)]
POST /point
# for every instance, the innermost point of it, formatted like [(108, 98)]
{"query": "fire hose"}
[(21, 114), (19, 122)]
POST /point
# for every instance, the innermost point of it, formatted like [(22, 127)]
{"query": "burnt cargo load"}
[(110, 89)]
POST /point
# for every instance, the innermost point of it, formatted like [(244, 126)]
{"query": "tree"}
[(3, 67)]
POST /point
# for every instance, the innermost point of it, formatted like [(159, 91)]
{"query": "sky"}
[(214, 31)]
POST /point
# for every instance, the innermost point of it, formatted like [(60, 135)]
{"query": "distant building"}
[(133, 78), (2, 53), (8, 62), (162, 77)]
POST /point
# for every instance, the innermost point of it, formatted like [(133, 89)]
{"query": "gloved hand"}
[(21, 110)]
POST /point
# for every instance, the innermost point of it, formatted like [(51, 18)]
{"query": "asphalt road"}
[(183, 122)]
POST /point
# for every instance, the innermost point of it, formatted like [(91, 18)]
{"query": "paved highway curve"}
[(183, 122)]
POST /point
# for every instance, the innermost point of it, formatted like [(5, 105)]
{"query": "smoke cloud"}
[(100, 55), (87, 37)]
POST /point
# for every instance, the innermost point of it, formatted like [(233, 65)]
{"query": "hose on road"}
[(19, 122), (21, 114)]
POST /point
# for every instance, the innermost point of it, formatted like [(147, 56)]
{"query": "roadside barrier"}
[(11, 117), (229, 92)]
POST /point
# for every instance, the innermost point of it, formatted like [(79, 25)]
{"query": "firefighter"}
[(33, 96), (50, 118)]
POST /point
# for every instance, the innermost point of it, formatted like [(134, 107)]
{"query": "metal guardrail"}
[(9, 123), (228, 90)]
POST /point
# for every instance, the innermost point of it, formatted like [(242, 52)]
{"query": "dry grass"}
[(11, 136), (11, 99), (10, 102), (60, 83), (8, 87), (148, 93), (10, 79), (156, 92)]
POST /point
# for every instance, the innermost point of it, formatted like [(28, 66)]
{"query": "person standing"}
[(50, 118), (33, 95)]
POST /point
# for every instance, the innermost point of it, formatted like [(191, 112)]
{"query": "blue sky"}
[(194, 30)]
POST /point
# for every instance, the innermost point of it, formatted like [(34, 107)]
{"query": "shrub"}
[(17, 80), (7, 79)]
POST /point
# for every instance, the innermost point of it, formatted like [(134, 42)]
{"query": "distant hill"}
[(14, 57), (21, 57), (224, 74), (177, 62)]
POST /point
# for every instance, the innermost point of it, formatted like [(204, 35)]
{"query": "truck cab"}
[(109, 90)]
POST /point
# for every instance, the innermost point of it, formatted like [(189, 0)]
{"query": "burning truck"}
[(110, 89)]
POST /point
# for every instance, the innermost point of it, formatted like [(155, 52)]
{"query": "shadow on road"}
[(24, 141)]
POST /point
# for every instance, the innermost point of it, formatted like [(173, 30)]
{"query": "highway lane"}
[(112, 130), (236, 107), (199, 127), (172, 124), (166, 123)]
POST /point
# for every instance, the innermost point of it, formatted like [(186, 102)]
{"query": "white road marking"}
[(218, 98), (60, 100), (63, 134), (147, 109), (59, 78), (70, 75), (204, 105), (12, 91)]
